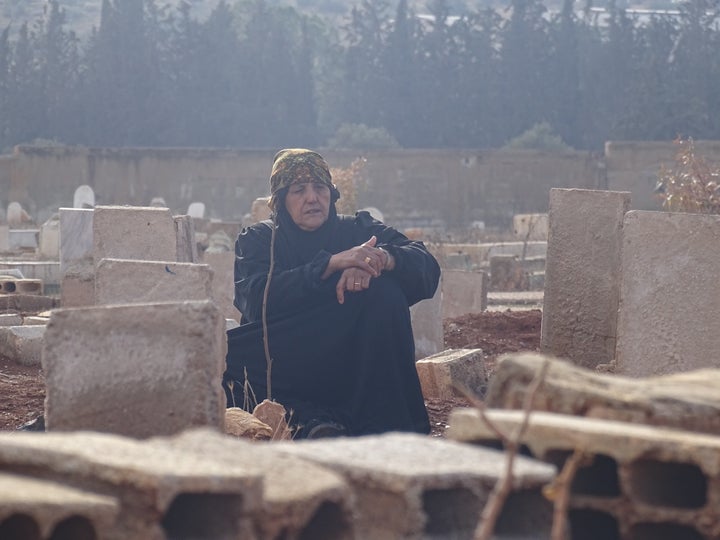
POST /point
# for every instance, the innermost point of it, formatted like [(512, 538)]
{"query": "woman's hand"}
[(352, 280), (364, 257)]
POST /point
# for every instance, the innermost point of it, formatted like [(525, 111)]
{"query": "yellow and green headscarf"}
[(297, 165)]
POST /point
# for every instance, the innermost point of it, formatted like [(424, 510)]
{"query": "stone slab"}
[(27, 303), (689, 401), (76, 236), (134, 232), (443, 375), (413, 486), (49, 503), (530, 226), (123, 281), (22, 344), (10, 319), (426, 319), (4, 238), (49, 239), (77, 289), (223, 283), (162, 492), (186, 245), (637, 481), (463, 292), (667, 295), (582, 275), (137, 370)]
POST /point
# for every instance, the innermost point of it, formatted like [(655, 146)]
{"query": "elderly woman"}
[(336, 309)]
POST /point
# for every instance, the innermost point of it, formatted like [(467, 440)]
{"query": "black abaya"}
[(352, 363)]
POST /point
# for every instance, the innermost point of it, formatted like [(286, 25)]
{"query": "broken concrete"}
[(136, 370), (689, 401), (445, 374)]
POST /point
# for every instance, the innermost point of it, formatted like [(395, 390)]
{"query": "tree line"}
[(256, 75)]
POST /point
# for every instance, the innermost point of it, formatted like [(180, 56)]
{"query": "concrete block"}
[(10, 285), (300, 499), (186, 245), (27, 303), (582, 275), (137, 370), (412, 486), (76, 237), (223, 283), (123, 281), (636, 482), (442, 374), (134, 232), (426, 319), (161, 492), (23, 239), (22, 344), (10, 319), (463, 293), (78, 289), (46, 509), (689, 401), (667, 297)]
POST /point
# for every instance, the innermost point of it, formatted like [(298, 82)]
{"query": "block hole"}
[(74, 528), (328, 522), (203, 516), (669, 484), (451, 513), (663, 531), (599, 478), (7, 286), (592, 525), (19, 527), (526, 514)]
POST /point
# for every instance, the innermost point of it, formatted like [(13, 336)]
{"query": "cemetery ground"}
[(22, 388)]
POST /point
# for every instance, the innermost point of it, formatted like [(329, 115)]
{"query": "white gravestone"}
[(84, 197)]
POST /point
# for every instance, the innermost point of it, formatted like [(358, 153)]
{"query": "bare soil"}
[(22, 388)]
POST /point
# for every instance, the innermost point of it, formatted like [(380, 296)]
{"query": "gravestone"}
[(186, 244), (4, 238), (426, 318), (15, 214), (76, 237), (260, 209), (49, 241), (84, 197), (463, 292), (196, 210)]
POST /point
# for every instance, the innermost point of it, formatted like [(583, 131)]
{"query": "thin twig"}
[(482, 409), (560, 492), (503, 486), (268, 359)]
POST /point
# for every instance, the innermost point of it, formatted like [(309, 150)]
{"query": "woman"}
[(338, 323)]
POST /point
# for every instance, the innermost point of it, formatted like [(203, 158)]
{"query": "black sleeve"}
[(416, 270), (290, 289)]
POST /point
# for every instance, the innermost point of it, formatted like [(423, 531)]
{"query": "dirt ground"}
[(22, 389)]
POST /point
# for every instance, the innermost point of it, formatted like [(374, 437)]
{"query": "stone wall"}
[(422, 188)]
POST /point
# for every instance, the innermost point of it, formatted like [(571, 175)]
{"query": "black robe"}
[(352, 363)]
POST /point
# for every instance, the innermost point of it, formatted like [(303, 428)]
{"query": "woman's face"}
[(308, 204)]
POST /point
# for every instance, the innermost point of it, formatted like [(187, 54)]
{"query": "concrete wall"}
[(411, 187)]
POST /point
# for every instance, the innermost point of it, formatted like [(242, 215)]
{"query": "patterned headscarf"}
[(297, 165)]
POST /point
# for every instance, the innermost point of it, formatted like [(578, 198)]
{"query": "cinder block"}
[(161, 492), (300, 499), (134, 232), (45, 509), (22, 344), (412, 486), (667, 296), (137, 370), (689, 401), (122, 281), (463, 292), (442, 374), (582, 275), (637, 482), (426, 319)]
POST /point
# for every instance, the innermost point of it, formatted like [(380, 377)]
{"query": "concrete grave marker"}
[(49, 241), (84, 197), (196, 210), (135, 370), (463, 292), (426, 318)]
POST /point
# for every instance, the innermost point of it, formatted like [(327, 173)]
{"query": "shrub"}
[(539, 137), (362, 137)]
